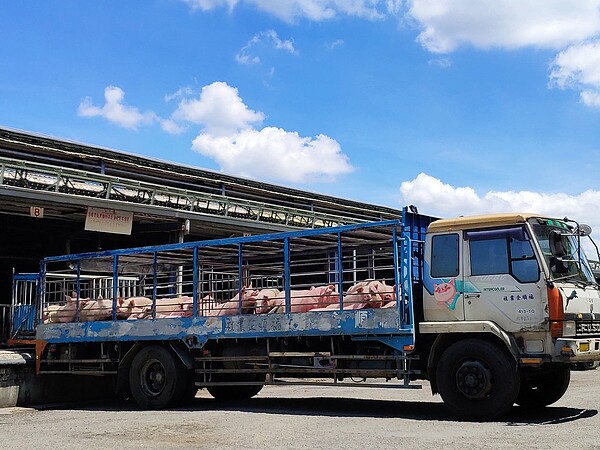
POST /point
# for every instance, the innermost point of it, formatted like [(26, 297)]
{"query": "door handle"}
[(472, 295)]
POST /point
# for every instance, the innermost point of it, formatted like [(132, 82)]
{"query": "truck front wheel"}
[(157, 379), (477, 380), (545, 388)]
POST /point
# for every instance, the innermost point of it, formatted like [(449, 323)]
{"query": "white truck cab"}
[(522, 273)]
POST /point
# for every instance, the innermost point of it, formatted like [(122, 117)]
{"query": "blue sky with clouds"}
[(456, 106)]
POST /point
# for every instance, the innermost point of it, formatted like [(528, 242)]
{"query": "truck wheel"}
[(590, 365), (544, 389), (157, 379), (243, 392), (477, 380)]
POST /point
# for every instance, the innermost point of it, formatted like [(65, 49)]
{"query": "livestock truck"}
[(492, 310)]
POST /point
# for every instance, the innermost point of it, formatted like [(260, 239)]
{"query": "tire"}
[(477, 380), (544, 389), (240, 392), (157, 379), (590, 365)]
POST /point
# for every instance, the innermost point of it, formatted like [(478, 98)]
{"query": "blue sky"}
[(456, 106)]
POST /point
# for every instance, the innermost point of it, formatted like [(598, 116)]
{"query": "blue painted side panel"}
[(350, 323)]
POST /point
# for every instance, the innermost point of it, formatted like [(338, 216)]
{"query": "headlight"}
[(569, 328)]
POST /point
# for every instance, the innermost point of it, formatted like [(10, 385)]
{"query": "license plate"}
[(588, 328)]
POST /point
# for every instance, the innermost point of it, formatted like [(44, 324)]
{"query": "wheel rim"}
[(474, 379), (153, 378)]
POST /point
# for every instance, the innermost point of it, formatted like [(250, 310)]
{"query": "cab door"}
[(443, 278), (503, 277)]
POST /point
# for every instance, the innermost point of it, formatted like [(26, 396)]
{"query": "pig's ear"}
[(69, 299), (73, 294), (100, 297)]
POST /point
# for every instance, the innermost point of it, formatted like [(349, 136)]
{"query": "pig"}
[(305, 300), (169, 305), (360, 296), (387, 293), (131, 306), (364, 294), (232, 307), (67, 312), (263, 299), (94, 310), (50, 313)]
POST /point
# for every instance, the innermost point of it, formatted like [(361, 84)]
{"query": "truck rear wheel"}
[(157, 379), (544, 389), (240, 392), (477, 380)]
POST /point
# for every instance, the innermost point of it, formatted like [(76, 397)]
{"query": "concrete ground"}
[(309, 418)]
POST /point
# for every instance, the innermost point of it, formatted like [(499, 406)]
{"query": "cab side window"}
[(444, 256), (489, 256), (504, 251)]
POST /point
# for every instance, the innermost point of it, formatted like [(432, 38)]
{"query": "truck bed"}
[(290, 262)]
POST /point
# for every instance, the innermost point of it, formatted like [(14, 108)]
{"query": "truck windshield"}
[(573, 265)]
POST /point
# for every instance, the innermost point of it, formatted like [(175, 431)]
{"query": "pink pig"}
[(264, 299), (305, 300), (364, 294), (232, 307), (99, 309), (65, 313)]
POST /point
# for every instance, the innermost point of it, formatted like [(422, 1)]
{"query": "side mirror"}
[(584, 230), (557, 247)]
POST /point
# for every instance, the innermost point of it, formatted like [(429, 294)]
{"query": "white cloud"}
[(447, 24), (578, 67), (206, 5), (591, 98), (115, 111), (432, 196), (442, 63), (275, 154), (229, 138), (219, 109), (171, 126), (180, 93), (508, 24), (268, 38), (335, 44), (317, 10)]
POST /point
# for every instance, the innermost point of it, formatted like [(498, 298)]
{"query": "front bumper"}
[(571, 350)]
